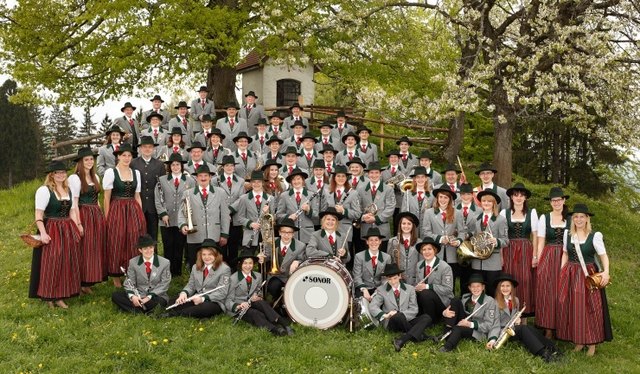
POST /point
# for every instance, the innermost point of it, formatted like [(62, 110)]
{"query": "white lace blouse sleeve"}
[(74, 185), (107, 179), (598, 243), (542, 226), (138, 181), (503, 213), (42, 197), (565, 239), (534, 218)]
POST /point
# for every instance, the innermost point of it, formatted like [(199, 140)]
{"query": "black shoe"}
[(550, 355), (279, 331), (165, 315), (289, 330), (445, 349), (398, 344)]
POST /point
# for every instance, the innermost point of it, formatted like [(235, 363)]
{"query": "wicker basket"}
[(32, 240)]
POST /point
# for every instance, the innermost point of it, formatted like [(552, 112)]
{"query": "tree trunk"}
[(556, 148), (455, 138), (221, 81)]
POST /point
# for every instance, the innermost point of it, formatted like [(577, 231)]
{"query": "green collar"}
[(156, 262)]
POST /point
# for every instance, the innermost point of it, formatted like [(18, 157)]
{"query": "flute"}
[(197, 295), (432, 270), (466, 319)]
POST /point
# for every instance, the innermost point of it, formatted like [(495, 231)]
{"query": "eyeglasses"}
[(286, 232)]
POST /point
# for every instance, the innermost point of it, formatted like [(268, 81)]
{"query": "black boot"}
[(398, 343)]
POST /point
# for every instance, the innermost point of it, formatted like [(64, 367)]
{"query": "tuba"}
[(477, 247), (188, 212)]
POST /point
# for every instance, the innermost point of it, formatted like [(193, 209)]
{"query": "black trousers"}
[(414, 329), (275, 287), (192, 251), (206, 309), (234, 241), (490, 277), (121, 299), (462, 273), (152, 224), (451, 323), (261, 314), (533, 339), (173, 243), (430, 304)]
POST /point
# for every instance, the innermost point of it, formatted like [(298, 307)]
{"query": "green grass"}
[(93, 337)]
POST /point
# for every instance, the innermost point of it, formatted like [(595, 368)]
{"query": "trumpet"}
[(188, 212), (508, 331)]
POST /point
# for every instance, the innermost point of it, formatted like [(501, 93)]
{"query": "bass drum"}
[(317, 293)]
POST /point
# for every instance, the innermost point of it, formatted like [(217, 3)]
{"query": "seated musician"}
[(369, 265), (435, 280), (208, 273), (328, 241), (475, 316), (394, 304), (148, 278), (244, 300), (530, 337)]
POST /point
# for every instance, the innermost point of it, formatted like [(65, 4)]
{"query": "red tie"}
[(339, 195), (258, 201), (176, 182), (325, 141), (116, 147), (261, 140), (204, 193), (231, 123), (155, 133), (393, 170), (290, 169), (329, 169), (373, 191), (283, 251), (298, 198), (444, 216), (331, 240), (148, 265), (364, 148), (131, 122), (374, 263), (275, 130), (427, 271), (485, 222), (215, 153), (510, 305), (272, 185), (206, 272), (465, 211), (319, 184), (244, 157), (298, 141), (196, 165), (249, 280), (452, 187), (308, 156), (355, 181), (175, 149), (184, 122), (229, 182), (396, 293), (350, 156), (406, 243), (202, 101), (404, 157), (420, 196)]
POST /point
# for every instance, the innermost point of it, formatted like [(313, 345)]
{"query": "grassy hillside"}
[(92, 336)]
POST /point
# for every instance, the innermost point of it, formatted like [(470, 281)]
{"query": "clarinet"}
[(244, 311)]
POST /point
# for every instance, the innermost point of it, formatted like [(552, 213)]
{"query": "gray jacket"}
[(486, 323), (168, 197), (319, 246), (239, 290), (435, 228), (440, 279), (216, 278), (384, 301), (364, 275), (386, 203), (287, 205), (408, 259), (211, 219), (156, 284), (498, 227)]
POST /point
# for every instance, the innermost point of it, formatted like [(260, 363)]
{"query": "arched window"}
[(288, 91)]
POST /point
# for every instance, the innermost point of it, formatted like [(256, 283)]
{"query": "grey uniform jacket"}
[(435, 228), (197, 110), (385, 201), (486, 323), (259, 148), (295, 252), (350, 201), (231, 194), (505, 203), (168, 197), (246, 212), (211, 156), (155, 284), (312, 186), (287, 205), (343, 157), (211, 219), (244, 169), (406, 166), (411, 204), (346, 128), (384, 301), (409, 257), (149, 174), (364, 275), (159, 137), (239, 125), (252, 116), (472, 212), (106, 159), (216, 278), (186, 131), (126, 127), (165, 118), (282, 133), (440, 279), (498, 227), (336, 143), (303, 162), (371, 150), (319, 246), (190, 167), (240, 290), (288, 122), (506, 314), (163, 152), (386, 175)]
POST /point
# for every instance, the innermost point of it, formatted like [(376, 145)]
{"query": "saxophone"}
[(508, 331)]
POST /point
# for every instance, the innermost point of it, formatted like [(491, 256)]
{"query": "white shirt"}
[(43, 196), (542, 226), (109, 178), (598, 242)]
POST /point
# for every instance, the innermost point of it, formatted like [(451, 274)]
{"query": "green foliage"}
[(62, 126)]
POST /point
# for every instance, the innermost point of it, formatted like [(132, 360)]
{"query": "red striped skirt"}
[(93, 267), (60, 263), (125, 224), (546, 287), (516, 260), (580, 314)]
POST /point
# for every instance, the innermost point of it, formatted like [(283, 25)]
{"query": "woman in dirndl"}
[(58, 276), (123, 213), (551, 228), (583, 313), (517, 258), (85, 187)]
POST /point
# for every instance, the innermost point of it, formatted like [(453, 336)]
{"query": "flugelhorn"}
[(188, 212)]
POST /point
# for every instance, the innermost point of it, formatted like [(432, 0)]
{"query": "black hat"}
[(203, 88), (425, 154), (270, 162), (341, 169), (580, 208), (352, 134), (115, 128), (476, 278), (428, 240), (332, 212), (216, 131), (154, 115), (256, 175), (251, 93), (231, 104), (451, 167), (277, 114), (298, 123), (196, 145), (356, 160), (242, 135), (175, 157), (290, 149), (126, 147), (127, 105), (326, 123), (145, 241), (488, 191), (157, 97), (176, 130), (308, 135), (262, 121), (341, 113), (466, 188), (404, 139), (84, 152), (274, 138), (244, 253), (209, 243), (295, 172), (393, 152), (147, 140), (55, 166), (228, 159), (373, 165), (204, 168), (296, 105), (328, 148), (182, 104), (519, 187), (318, 164), (419, 170), (206, 118), (412, 217), (391, 269), (363, 128), (505, 277), (485, 166), (374, 231), (452, 194), (286, 222), (556, 192)]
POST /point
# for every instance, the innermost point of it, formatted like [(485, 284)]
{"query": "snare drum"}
[(317, 293)]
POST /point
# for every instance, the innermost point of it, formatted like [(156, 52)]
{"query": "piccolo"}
[(128, 283), (432, 270), (244, 311), (466, 319), (196, 295)]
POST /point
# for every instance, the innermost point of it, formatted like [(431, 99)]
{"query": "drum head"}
[(316, 296)]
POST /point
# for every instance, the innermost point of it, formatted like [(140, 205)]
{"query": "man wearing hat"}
[(209, 213), (156, 104), (276, 127), (341, 126), (231, 125), (233, 187), (366, 147), (249, 207), (259, 144), (296, 115), (486, 172), (245, 160), (207, 127), (154, 129), (296, 204), (295, 138), (128, 124), (435, 285), (273, 150), (450, 179), (395, 305), (150, 170), (290, 155), (200, 107), (369, 265), (148, 278), (196, 158), (326, 138), (182, 121), (424, 160), (307, 152), (106, 159), (251, 112), (407, 159), (351, 150), (329, 241), (215, 149), (391, 171), (376, 192), (328, 158)]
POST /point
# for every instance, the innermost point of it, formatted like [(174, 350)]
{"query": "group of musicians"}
[(397, 228)]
